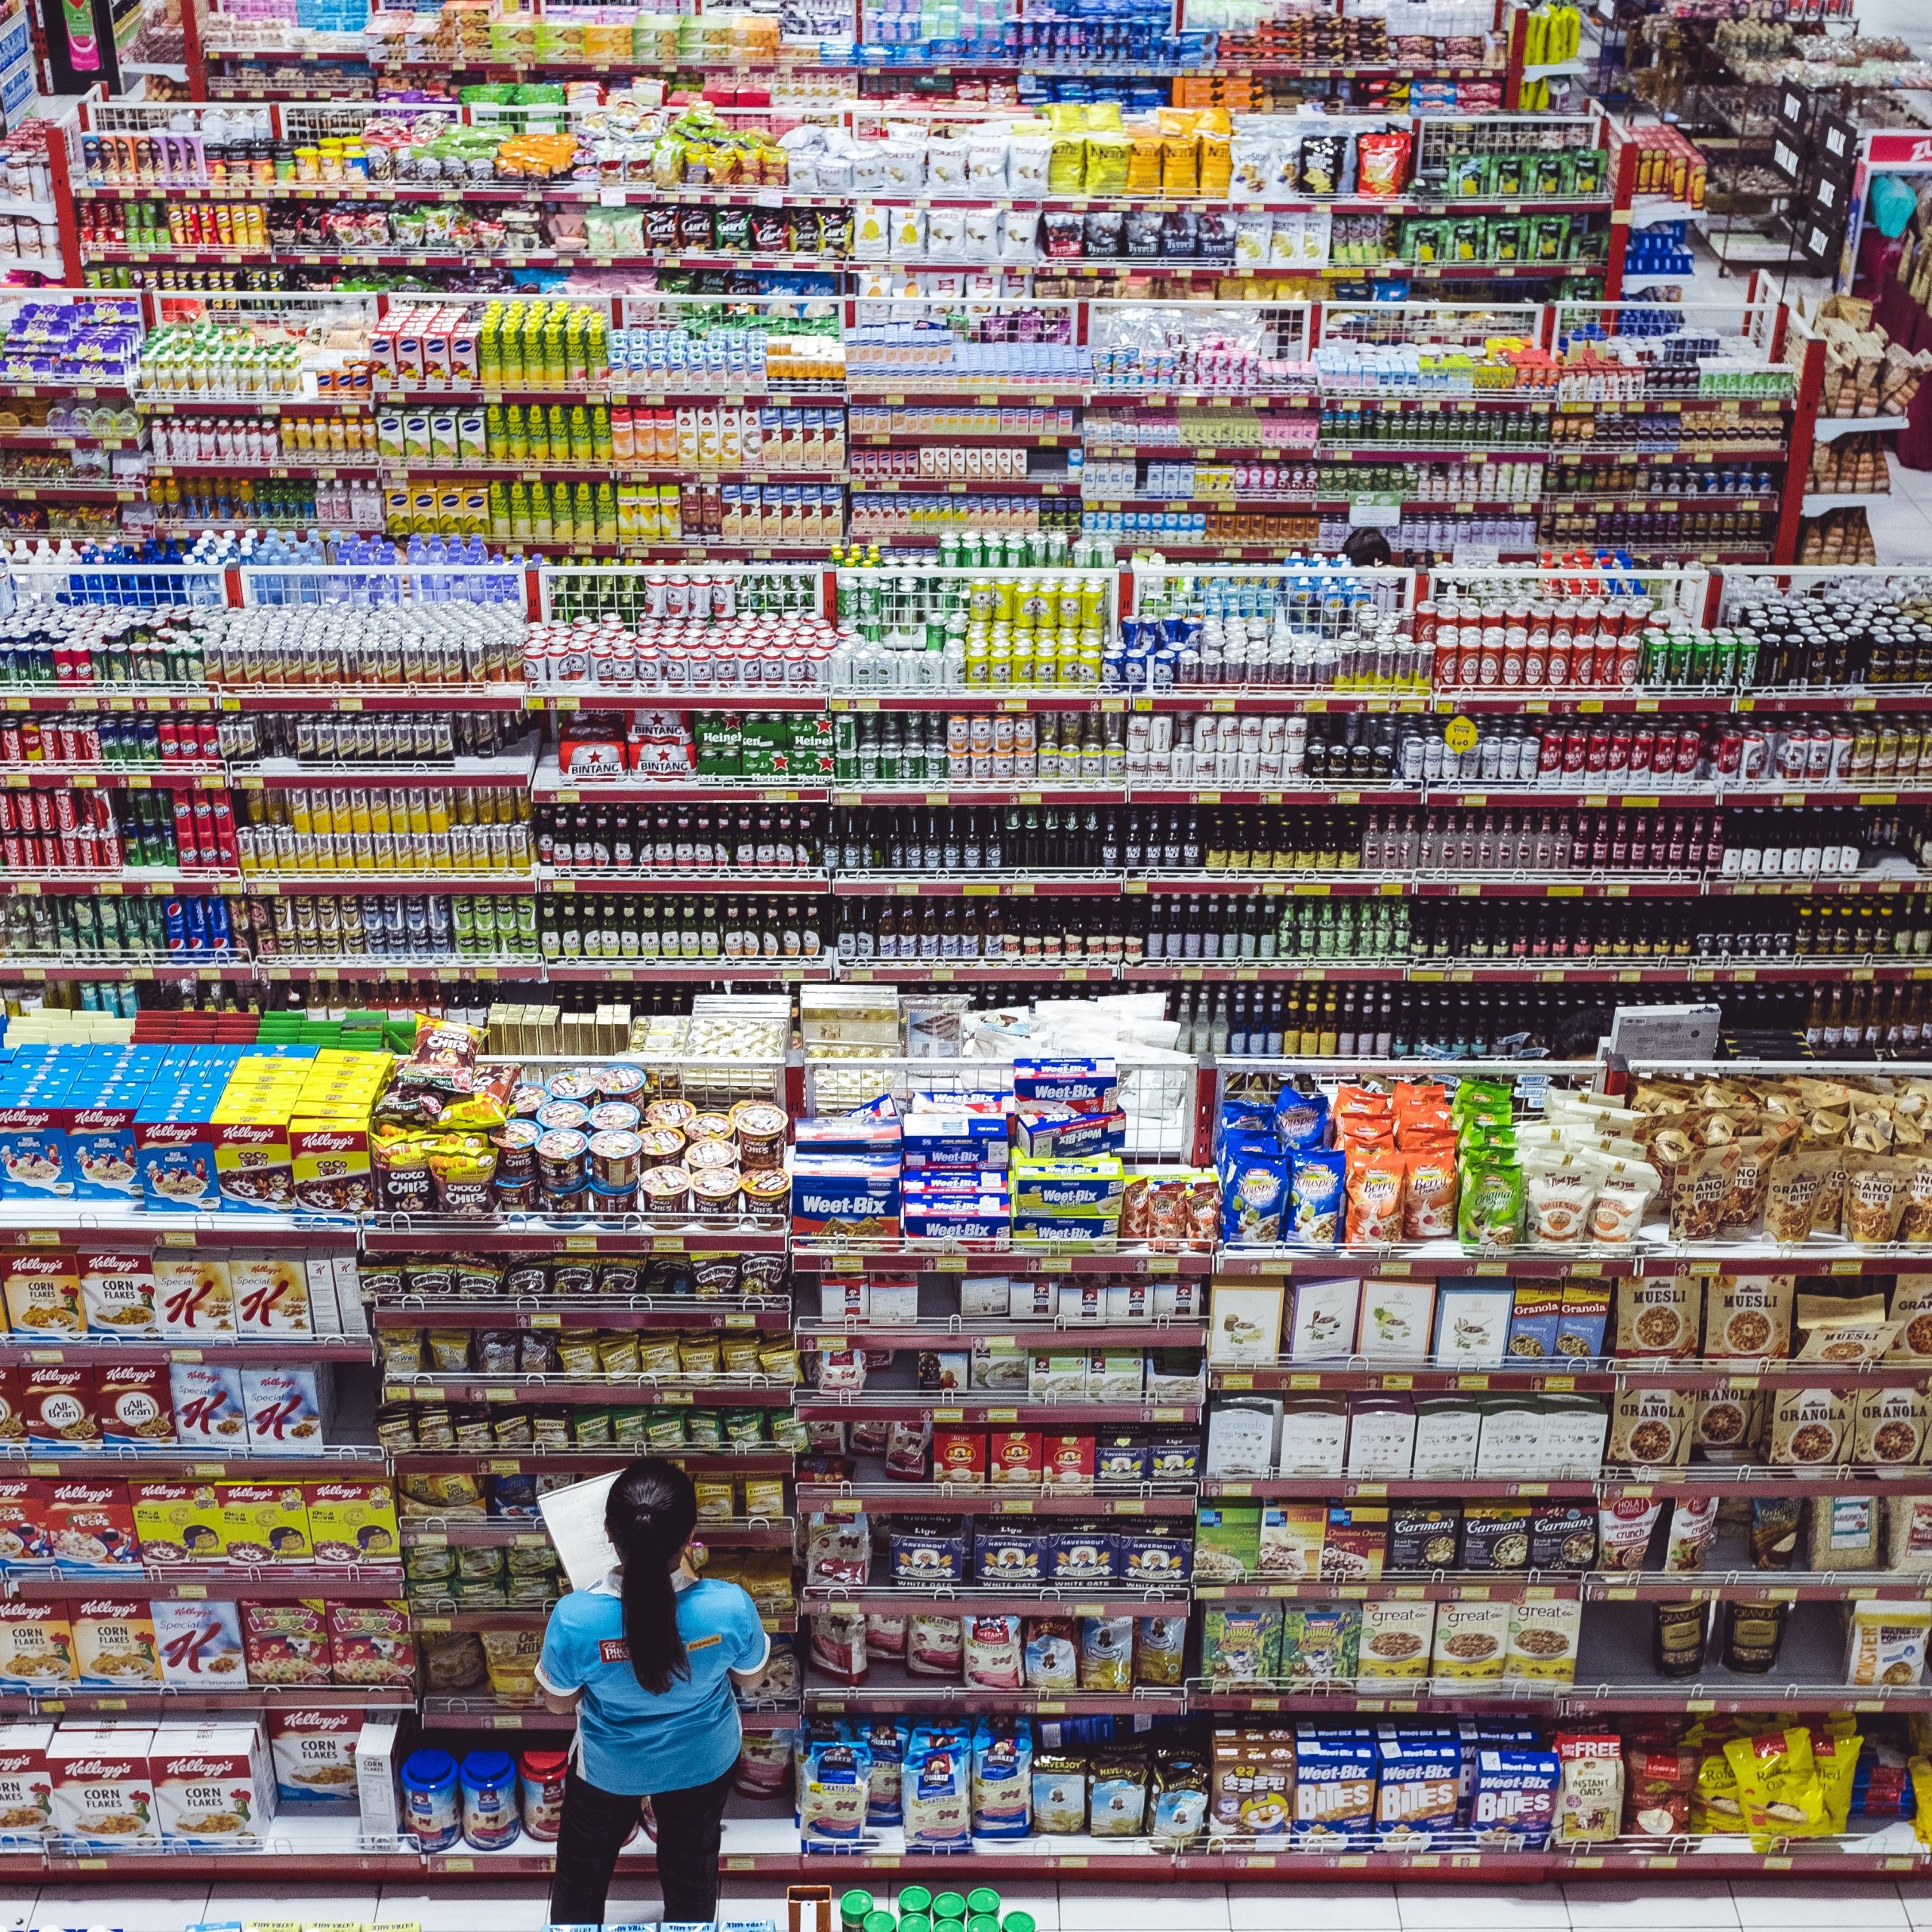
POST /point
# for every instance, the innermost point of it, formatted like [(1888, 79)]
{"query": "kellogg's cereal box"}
[(134, 1403), (103, 1792), (43, 1292), (264, 1522), (92, 1526), (271, 1295), (25, 1539), (200, 1642), (36, 1645), (212, 1783), (314, 1755), (12, 1421), (194, 1297), (352, 1522), (206, 1398), (283, 1410), (26, 1790), (370, 1643), (178, 1523), (57, 1405), (117, 1293), (114, 1642)]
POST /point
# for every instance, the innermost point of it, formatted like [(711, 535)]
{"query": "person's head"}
[(649, 1516), (1366, 547)]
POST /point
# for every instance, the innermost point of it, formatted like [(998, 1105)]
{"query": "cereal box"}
[(286, 1642), (26, 1794), (1543, 1634), (104, 1793), (114, 1643), (117, 1293), (92, 1526), (1420, 1781), (352, 1522), (25, 1539), (13, 1420), (264, 1522), (178, 1523), (194, 1297), (212, 1783), (370, 1643), (283, 1410), (206, 1398), (1396, 1640), (134, 1402), (1334, 1795), (314, 1755), (252, 1169), (43, 1292), (36, 1645), (57, 1405), (1471, 1639), (199, 1642), (271, 1295), (1251, 1789)]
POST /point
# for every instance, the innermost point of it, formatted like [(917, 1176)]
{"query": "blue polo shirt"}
[(628, 1740)]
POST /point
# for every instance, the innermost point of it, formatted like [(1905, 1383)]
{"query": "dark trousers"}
[(597, 1823)]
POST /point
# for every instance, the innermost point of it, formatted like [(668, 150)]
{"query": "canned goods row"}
[(482, 925), (401, 645), (82, 740), (89, 925)]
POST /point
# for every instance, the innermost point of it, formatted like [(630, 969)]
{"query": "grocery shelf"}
[(361, 1582), (726, 1311)]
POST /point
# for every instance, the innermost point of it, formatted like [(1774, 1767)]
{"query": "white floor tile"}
[(1478, 1908), (505, 1904), (1768, 1905), (18, 1908), (1149, 1907), (1643, 1908), (1343, 1908), (157, 1908)]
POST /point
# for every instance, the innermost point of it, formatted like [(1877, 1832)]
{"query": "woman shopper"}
[(646, 1659)]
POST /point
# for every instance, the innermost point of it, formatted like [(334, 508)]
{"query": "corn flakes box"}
[(314, 1755), (42, 1288), (114, 1642), (117, 1292), (27, 1792), (213, 1784), (36, 1645), (102, 1793)]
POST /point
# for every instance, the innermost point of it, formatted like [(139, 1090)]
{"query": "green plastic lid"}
[(916, 1921), (983, 1921), (949, 1905), (914, 1898), (879, 1921), (982, 1902), (1019, 1922), (853, 1909), (950, 1925)]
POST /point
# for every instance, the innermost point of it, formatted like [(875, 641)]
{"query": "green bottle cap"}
[(916, 1921), (950, 1925), (982, 1902), (915, 1898), (1019, 1922), (983, 1921), (949, 1905), (853, 1908), (879, 1921)]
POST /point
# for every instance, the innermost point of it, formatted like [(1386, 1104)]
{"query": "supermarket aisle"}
[(1902, 523), (517, 1905)]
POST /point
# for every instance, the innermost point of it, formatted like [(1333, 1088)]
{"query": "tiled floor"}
[(1669, 1905)]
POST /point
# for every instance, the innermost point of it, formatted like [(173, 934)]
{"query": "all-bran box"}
[(57, 1405), (134, 1402)]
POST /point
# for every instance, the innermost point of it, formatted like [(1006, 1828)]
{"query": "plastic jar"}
[(540, 1775), (489, 1787), (430, 1800)]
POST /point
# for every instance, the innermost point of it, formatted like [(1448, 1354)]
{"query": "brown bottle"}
[(1753, 1635)]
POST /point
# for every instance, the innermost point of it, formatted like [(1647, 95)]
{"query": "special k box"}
[(271, 1295), (103, 1792), (194, 1297), (26, 1798), (200, 1642), (212, 1783), (313, 1753)]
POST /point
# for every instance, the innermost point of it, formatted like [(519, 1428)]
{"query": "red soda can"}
[(1576, 750), (71, 859), (1731, 753), (13, 849), (65, 815), (205, 849), (1690, 750), (169, 735), (70, 745), (224, 833)]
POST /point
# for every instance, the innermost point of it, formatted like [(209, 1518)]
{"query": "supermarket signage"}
[(1900, 149)]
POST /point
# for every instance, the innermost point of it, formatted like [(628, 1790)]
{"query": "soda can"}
[(1730, 754), (174, 925), (1575, 750), (194, 927), (66, 818), (68, 736), (1755, 759), (1690, 750)]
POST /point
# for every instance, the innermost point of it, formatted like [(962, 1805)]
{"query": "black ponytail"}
[(649, 1516)]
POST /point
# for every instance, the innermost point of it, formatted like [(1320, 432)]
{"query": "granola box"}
[(103, 1791), (114, 1642), (1659, 1315)]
